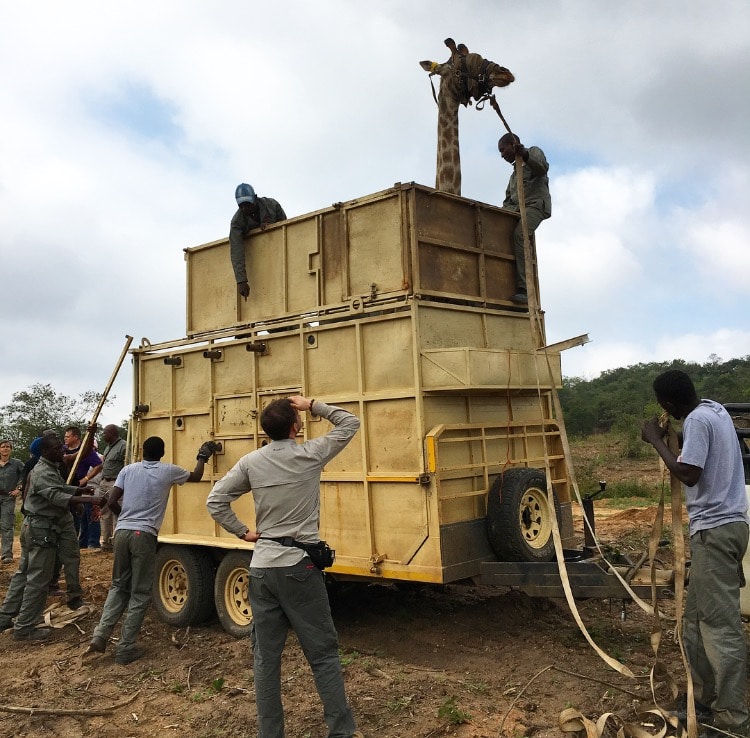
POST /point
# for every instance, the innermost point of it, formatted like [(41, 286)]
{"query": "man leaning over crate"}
[(286, 588)]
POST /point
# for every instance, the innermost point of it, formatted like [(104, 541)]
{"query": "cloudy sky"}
[(125, 129)]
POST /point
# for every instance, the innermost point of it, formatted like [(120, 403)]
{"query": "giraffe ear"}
[(426, 65)]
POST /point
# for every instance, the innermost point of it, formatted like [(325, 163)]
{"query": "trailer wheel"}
[(231, 593), (183, 586), (519, 518)]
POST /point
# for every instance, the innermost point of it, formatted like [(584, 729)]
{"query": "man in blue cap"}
[(253, 212)]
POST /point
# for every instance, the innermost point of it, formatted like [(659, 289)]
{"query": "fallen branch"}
[(563, 671), (61, 711)]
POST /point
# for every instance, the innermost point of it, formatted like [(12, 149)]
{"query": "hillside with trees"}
[(621, 398)]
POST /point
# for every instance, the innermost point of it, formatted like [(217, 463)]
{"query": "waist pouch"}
[(42, 533), (321, 554)]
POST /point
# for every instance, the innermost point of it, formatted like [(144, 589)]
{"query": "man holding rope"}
[(537, 199), (710, 468)]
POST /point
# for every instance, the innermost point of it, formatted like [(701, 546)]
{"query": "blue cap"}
[(244, 193), (35, 447)]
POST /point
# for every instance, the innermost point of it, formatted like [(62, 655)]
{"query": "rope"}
[(676, 499)]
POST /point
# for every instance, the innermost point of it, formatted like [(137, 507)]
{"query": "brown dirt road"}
[(432, 661), (457, 660)]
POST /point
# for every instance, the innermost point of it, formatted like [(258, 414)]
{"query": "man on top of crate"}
[(253, 212), (536, 197)]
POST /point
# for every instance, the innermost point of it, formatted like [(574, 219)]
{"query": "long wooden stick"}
[(61, 711), (102, 400)]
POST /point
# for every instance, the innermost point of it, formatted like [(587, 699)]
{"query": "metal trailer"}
[(395, 306)]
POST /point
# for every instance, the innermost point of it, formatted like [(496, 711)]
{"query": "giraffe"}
[(463, 77)]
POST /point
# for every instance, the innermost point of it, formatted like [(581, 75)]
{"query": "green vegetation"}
[(452, 713), (619, 399)]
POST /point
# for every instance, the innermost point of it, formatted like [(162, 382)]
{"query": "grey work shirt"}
[(269, 212), (535, 184), (113, 459), (48, 495), (10, 475), (145, 493), (284, 477)]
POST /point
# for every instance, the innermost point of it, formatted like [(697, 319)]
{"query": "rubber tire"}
[(231, 593), (183, 588), (519, 523)]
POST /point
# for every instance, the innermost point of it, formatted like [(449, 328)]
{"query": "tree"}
[(38, 408)]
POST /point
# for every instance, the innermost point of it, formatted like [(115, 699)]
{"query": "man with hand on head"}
[(286, 588)]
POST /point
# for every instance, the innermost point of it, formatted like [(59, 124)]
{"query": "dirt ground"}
[(459, 660)]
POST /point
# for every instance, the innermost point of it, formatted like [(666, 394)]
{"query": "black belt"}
[(109, 479)]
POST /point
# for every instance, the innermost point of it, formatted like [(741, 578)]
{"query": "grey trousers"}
[(132, 577), (296, 597), (108, 518), (712, 629), (534, 217), (7, 524), (41, 542)]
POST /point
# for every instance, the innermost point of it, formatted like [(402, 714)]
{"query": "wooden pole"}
[(102, 400)]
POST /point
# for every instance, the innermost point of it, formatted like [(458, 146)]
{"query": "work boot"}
[(703, 713), (97, 645), (33, 634), (520, 298), (129, 656), (75, 603)]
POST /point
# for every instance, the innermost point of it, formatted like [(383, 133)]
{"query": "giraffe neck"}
[(448, 171)]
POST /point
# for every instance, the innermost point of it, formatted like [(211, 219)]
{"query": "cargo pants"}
[(712, 629), (296, 597), (7, 525), (132, 577), (42, 540)]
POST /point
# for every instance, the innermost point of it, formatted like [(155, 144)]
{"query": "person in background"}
[(537, 200), (253, 212), (11, 484), (710, 468), (113, 461), (139, 498), (89, 465), (286, 589), (46, 530)]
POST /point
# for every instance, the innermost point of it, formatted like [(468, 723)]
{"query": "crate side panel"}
[(388, 355), (211, 289), (155, 385), (394, 440), (192, 382), (281, 366), (375, 246), (332, 361)]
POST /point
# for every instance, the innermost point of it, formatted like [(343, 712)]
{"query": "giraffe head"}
[(465, 76)]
